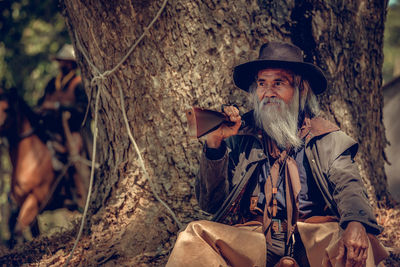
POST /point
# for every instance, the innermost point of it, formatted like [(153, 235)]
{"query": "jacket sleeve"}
[(350, 194), (212, 184), (346, 186)]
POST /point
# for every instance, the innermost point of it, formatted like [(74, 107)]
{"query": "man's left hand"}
[(353, 246)]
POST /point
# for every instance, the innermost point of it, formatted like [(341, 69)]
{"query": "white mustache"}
[(269, 100)]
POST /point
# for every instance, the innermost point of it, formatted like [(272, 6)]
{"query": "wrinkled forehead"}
[(274, 73)]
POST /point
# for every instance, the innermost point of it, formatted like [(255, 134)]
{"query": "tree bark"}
[(187, 59)]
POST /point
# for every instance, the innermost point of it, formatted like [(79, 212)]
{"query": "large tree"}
[(186, 59)]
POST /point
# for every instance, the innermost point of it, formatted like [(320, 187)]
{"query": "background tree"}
[(30, 32), (187, 59), (391, 49), (391, 78)]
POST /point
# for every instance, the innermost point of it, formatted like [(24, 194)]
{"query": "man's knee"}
[(197, 227)]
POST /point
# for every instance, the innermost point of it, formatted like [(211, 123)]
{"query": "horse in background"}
[(33, 178)]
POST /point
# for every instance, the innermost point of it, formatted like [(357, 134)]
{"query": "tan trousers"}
[(205, 243), (209, 244), (321, 241)]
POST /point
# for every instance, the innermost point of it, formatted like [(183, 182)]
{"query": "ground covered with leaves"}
[(390, 237), (107, 245)]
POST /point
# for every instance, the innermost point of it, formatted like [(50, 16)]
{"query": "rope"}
[(103, 75), (152, 185), (145, 33), (96, 108), (98, 80)]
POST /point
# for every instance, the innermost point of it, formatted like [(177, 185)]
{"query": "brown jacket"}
[(330, 152)]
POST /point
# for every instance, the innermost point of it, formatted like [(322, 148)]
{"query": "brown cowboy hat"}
[(280, 55)]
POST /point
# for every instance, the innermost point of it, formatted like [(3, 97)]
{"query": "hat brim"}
[(244, 74)]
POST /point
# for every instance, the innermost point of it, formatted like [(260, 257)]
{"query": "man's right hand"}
[(215, 138)]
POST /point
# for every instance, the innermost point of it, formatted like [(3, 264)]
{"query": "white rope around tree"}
[(141, 161), (99, 81), (96, 108)]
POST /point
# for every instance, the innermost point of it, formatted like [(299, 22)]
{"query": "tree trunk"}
[(187, 59)]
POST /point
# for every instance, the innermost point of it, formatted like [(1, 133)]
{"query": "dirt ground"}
[(53, 248), (58, 227)]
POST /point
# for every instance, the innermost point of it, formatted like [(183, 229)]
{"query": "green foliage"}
[(391, 47), (30, 32), (5, 184)]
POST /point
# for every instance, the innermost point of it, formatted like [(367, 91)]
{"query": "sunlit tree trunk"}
[(187, 59)]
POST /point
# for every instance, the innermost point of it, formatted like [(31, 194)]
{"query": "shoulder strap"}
[(75, 81)]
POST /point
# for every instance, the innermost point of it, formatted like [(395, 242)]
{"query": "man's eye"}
[(278, 83), (260, 83)]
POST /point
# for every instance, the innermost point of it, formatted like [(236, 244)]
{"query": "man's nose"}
[(269, 91)]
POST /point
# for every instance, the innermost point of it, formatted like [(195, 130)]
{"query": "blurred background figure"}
[(54, 148), (62, 108), (64, 92)]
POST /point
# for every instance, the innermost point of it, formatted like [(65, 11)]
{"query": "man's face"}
[(65, 66), (275, 83), (276, 106)]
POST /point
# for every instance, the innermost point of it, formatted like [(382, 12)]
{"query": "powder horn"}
[(203, 121)]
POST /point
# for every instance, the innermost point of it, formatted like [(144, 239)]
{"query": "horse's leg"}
[(35, 228), (81, 190), (12, 222), (82, 172), (28, 212)]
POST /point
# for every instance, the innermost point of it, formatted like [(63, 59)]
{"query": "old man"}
[(285, 177)]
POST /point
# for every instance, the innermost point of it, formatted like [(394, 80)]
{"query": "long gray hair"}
[(308, 103)]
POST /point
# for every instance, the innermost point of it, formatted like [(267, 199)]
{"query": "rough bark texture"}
[(186, 60), (349, 42)]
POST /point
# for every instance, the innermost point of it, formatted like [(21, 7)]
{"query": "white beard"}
[(279, 121)]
